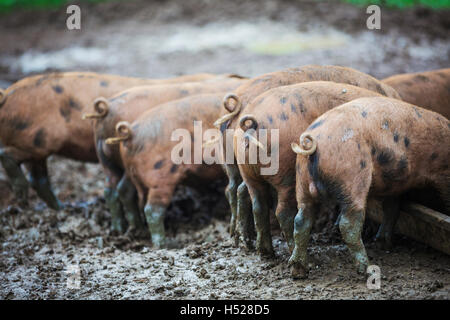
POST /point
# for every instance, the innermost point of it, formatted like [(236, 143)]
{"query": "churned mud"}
[(44, 253)]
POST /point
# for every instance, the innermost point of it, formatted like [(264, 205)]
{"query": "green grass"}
[(434, 4), (9, 5)]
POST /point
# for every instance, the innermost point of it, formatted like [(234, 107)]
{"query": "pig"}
[(235, 103), (150, 155), (128, 105), (41, 116), (367, 148), (289, 109), (429, 90)]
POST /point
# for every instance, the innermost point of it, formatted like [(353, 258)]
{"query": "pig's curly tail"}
[(233, 111), (123, 131), (246, 123), (101, 107), (2, 97), (305, 148)]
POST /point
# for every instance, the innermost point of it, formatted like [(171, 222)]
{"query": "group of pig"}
[(345, 139)]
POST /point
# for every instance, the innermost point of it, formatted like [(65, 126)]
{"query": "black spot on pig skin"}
[(364, 114), (406, 140), (74, 105), (270, 119), (18, 124), (315, 125), (373, 151), (58, 89), (328, 188), (283, 100), (433, 156), (104, 83), (65, 112), (293, 108), (173, 168), (283, 116), (159, 164), (385, 157), (395, 137), (396, 174), (362, 164), (39, 139)]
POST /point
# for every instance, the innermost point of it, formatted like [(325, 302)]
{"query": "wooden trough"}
[(422, 224)]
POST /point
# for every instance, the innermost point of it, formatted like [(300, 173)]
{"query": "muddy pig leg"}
[(11, 159), (40, 182), (259, 194), (303, 223), (244, 216), (128, 197), (391, 211), (158, 200), (351, 225), (285, 213), (118, 222), (234, 179)]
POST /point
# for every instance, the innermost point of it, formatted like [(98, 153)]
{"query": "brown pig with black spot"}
[(128, 105), (282, 112), (244, 94), (41, 116), (369, 147), (156, 161), (429, 90)]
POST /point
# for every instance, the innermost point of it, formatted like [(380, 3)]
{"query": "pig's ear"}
[(101, 107), (233, 112), (305, 148), (2, 97)]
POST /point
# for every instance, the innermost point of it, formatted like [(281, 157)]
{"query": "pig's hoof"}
[(361, 268), (114, 233), (55, 205), (298, 271), (266, 253), (158, 241), (137, 233), (382, 244), (249, 245), (236, 239)]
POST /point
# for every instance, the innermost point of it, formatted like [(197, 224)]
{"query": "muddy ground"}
[(40, 247)]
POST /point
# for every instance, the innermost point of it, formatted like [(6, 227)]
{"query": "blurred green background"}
[(8, 5)]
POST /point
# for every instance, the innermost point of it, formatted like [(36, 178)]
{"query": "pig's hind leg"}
[(158, 199), (260, 194), (285, 212), (244, 216), (234, 179), (128, 198), (118, 222), (303, 223), (39, 180), (11, 158), (391, 211)]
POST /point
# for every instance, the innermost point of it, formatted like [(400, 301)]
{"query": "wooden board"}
[(420, 223)]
